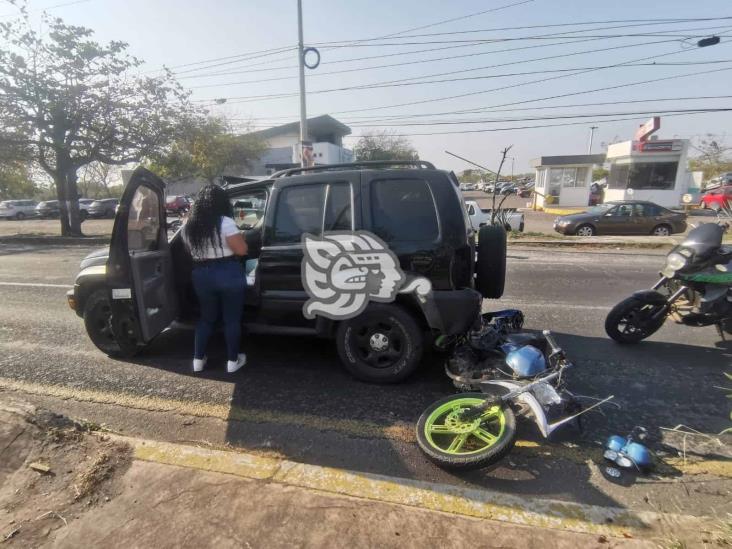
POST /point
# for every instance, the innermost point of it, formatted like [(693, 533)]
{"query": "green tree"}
[(384, 146), (207, 148), (599, 173), (16, 181), (713, 156), (69, 101)]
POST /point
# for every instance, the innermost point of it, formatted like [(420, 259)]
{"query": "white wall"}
[(284, 140), (327, 153)]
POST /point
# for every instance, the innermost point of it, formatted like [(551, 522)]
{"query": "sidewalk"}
[(63, 485)]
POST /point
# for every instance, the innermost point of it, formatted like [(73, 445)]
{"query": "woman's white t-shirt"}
[(228, 228)]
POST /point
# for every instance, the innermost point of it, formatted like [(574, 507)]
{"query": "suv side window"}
[(338, 208), (143, 223), (299, 210), (403, 210), (249, 208)]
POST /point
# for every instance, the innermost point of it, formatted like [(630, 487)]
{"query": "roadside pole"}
[(301, 63), (592, 134)]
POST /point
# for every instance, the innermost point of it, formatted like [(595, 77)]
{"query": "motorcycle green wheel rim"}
[(445, 432)]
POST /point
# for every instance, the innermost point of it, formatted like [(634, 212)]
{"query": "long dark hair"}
[(204, 222)]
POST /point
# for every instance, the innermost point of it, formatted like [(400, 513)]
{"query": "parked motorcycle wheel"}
[(455, 444), (630, 320)]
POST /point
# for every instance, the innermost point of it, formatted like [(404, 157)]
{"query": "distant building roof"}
[(317, 125), (568, 160)]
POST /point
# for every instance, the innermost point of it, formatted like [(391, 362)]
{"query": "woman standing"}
[(216, 246)]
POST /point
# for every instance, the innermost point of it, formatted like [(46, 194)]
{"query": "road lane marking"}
[(398, 430), (37, 285), (456, 500)]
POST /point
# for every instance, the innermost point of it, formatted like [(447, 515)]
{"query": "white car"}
[(17, 209), (481, 216)]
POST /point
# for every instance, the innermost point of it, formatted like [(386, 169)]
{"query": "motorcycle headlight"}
[(610, 455), (675, 261)]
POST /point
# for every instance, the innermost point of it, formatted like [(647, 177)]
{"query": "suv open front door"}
[(139, 269)]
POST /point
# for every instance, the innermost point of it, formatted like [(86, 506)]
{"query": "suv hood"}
[(97, 257)]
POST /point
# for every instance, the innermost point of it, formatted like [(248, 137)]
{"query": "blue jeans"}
[(220, 289)]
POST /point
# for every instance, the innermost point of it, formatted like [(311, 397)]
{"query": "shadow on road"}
[(294, 399)]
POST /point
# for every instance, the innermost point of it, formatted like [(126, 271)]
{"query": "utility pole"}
[(513, 158), (301, 62), (592, 134)]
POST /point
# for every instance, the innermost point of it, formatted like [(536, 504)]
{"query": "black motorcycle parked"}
[(695, 290)]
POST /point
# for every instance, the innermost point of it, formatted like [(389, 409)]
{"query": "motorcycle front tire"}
[(488, 455), (623, 313)]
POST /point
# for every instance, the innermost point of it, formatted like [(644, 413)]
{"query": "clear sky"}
[(187, 32)]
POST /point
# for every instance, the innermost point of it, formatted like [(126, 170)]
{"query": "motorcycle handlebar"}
[(552, 342)]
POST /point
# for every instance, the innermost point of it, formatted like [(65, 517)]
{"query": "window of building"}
[(567, 178), (403, 210), (656, 175)]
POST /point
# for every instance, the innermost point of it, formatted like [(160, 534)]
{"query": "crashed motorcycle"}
[(507, 372), (695, 290)]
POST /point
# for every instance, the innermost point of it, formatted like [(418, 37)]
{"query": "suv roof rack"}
[(419, 164)]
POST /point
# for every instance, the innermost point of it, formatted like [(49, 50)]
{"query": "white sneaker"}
[(233, 365), (199, 364)]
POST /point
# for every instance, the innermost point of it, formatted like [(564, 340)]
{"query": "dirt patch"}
[(60, 470)]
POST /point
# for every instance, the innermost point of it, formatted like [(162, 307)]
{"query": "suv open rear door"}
[(139, 269)]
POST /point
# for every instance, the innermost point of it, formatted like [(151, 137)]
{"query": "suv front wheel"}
[(381, 345)]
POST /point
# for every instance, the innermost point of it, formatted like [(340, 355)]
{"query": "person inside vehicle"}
[(216, 246)]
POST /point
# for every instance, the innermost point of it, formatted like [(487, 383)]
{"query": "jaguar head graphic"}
[(342, 272)]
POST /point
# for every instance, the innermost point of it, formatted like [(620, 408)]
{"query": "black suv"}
[(131, 292)]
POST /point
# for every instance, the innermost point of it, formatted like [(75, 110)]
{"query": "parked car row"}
[(49, 209)]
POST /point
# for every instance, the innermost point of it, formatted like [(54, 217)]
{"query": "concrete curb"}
[(579, 242), (481, 504), (397, 431)]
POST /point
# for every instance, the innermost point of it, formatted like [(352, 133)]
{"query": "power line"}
[(21, 12), (487, 130), (419, 82), (247, 54), (386, 119), (244, 99), (577, 39), (637, 22), (469, 16), (476, 41), (531, 119), (525, 83)]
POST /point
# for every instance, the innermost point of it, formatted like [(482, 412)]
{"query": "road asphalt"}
[(294, 401)]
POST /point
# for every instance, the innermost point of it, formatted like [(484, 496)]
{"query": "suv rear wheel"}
[(490, 269), (381, 345)]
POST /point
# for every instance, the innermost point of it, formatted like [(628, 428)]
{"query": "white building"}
[(283, 142), (652, 169), (564, 180)]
